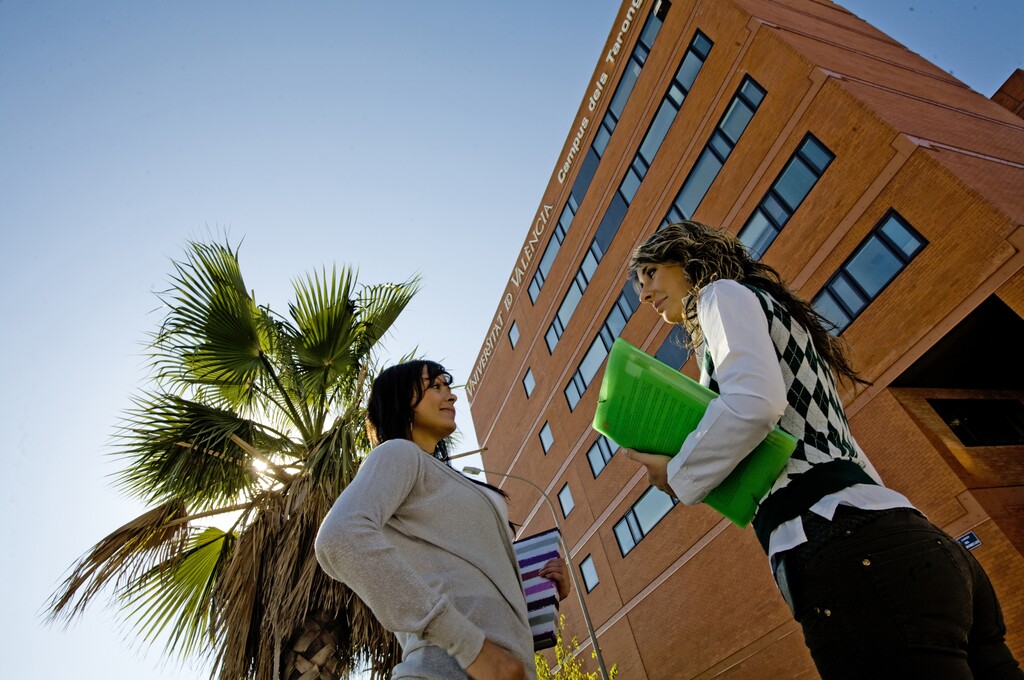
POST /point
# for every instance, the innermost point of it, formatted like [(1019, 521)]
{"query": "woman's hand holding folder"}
[(657, 469)]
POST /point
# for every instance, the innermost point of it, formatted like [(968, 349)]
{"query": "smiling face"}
[(433, 418), (664, 286)]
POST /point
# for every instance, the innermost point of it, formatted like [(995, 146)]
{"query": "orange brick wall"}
[(912, 462)]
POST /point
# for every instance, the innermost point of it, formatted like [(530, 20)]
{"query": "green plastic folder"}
[(648, 406)]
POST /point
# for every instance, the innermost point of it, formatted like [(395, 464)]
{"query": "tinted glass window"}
[(589, 573), (795, 182), (884, 253), (844, 291), (624, 536), (688, 70), (826, 305), (601, 138), (546, 438), (565, 500), (672, 352), (752, 92), (612, 219), (630, 183), (592, 361), (736, 119), (874, 266), (586, 175), (528, 382), (599, 454), (572, 395), (900, 236), (625, 87), (654, 505), (720, 145), (816, 154), (774, 209), (616, 322), (757, 235), (698, 183), (551, 338), (659, 128)]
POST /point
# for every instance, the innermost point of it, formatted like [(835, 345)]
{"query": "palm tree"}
[(255, 414)]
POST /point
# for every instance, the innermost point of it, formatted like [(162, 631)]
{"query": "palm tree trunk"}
[(312, 653)]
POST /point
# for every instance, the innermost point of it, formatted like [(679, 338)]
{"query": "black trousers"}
[(893, 596)]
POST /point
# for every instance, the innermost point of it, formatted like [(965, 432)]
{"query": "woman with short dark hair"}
[(426, 548)]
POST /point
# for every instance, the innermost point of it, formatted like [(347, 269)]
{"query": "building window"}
[(554, 244), (723, 140), (680, 86), (630, 75), (618, 317), (790, 188), (588, 167), (673, 351), (887, 250), (690, 67), (528, 382), (565, 500), (513, 334), (546, 438), (600, 454), (589, 573), (573, 295), (983, 422), (640, 519)]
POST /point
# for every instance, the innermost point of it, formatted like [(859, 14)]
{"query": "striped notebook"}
[(541, 593)]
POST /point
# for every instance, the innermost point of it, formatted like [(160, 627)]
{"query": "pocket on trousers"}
[(923, 585)]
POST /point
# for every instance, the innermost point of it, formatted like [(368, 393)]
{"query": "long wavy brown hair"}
[(707, 254)]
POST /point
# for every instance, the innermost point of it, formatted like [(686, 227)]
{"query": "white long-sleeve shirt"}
[(752, 400)]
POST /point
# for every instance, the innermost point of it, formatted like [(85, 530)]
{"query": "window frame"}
[(589, 560), (561, 502), (631, 521), (772, 221), (597, 446), (540, 435), (876, 235), (528, 376)]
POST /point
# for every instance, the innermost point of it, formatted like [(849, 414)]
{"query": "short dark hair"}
[(396, 391)]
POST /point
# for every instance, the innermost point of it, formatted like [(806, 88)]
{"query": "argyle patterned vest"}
[(826, 459)]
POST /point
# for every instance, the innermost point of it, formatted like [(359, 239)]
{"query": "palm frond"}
[(211, 333), (121, 557), (177, 448), (380, 305), (335, 457), (325, 316), (175, 595), (238, 603)]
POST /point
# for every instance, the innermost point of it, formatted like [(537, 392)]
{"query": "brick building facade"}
[(881, 188)]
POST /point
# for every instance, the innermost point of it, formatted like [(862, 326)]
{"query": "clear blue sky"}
[(398, 137)]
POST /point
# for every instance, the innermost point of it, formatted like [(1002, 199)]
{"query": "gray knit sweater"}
[(427, 551)]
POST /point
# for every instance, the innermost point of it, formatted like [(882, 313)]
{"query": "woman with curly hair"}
[(878, 590)]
